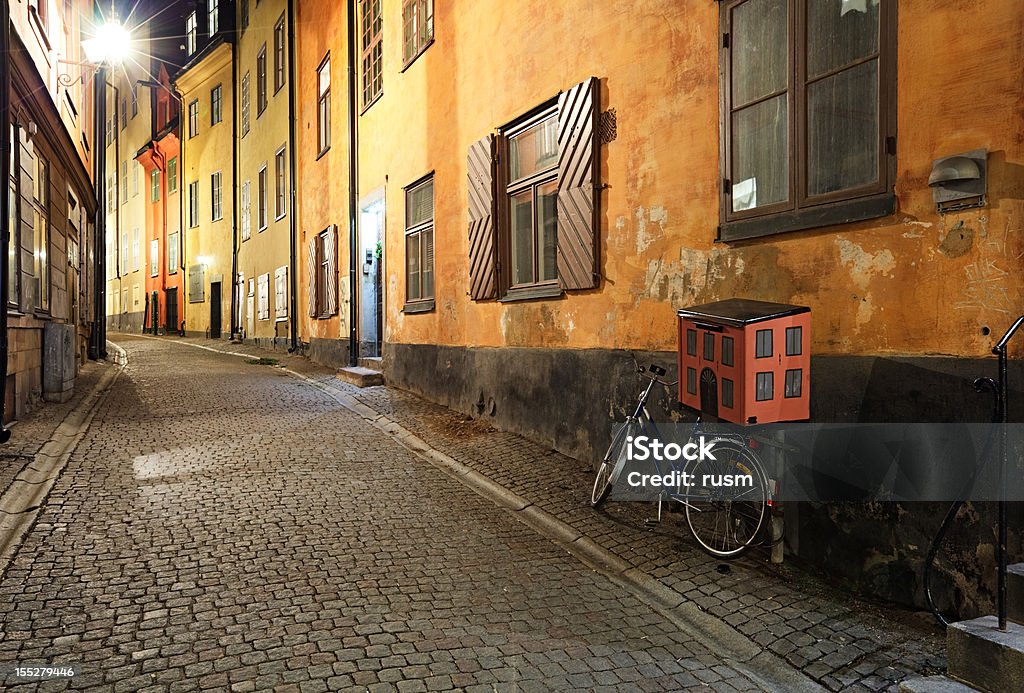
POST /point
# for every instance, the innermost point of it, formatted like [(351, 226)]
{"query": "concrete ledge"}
[(934, 684), (360, 377), (985, 657), (1015, 592)]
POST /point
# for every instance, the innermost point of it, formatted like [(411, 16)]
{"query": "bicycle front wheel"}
[(728, 503), (606, 470)]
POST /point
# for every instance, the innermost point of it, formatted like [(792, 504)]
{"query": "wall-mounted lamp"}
[(959, 181)]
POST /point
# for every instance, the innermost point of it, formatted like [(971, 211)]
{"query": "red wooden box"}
[(746, 362)]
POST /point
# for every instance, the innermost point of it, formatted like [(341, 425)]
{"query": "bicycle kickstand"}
[(654, 521)]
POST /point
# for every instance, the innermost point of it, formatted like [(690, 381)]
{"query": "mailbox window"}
[(691, 380), (691, 342), (727, 351), (709, 346), (794, 382), (765, 386), (727, 393), (794, 337), (764, 344)]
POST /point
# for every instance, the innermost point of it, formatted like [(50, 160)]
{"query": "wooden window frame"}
[(244, 126), (154, 185), (801, 211), (14, 218), (280, 60), (42, 267), (323, 107), (280, 184), (191, 33), (216, 199), (193, 204), (413, 28), (262, 213), (212, 17), (281, 292), (216, 105), (172, 175), (424, 303), (261, 81), (172, 250), (193, 118), (371, 51), (245, 202)]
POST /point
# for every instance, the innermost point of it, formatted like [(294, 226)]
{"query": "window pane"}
[(794, 383), (691, 381), (547, 228), (691, 342), (709, 346), (840, 32), (842, 130), (765, 389), (728, 393), (727, 351), (760, 155), (764, 344), (522, 237), (759, 50), (412, 266), (794, 339), (427, 243), (534, 150), (420, 204)]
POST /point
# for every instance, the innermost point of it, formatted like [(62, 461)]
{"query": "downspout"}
[(117, 197), (183, 299), (5, 198), (98, 341), (235, 328), (293, 223), (353, 186)]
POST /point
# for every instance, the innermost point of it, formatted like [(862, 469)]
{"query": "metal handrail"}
[(1003, 417)]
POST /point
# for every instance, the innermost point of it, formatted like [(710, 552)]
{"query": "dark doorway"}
[(709, 392), (172, 310), (215, 310)]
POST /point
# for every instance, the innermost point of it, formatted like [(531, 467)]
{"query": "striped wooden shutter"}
[(577, 192), (331, 253), (312, 265), (483, 279)]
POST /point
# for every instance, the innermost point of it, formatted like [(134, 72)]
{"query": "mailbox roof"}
[(737, 312)]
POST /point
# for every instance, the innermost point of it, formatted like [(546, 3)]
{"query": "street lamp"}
[(111, 44)]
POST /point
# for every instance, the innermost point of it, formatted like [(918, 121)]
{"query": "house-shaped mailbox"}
[(746, 362)]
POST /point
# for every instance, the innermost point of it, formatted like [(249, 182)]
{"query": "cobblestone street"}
[(224, 525)]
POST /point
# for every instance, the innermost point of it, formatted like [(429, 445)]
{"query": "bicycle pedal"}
[(652, 522)]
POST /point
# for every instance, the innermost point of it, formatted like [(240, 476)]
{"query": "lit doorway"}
[(371, 284)]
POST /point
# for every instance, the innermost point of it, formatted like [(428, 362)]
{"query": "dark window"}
[(280, 188), (691, 380), (764, 344), (419, 242), (193, 118), (244, 12), (261, 200), (709, 346), (216, 108), (135, 100), (261, 81), (372, 50), (323, 105), (417, 28), (279, 58), (728, 393), (806, 113), (691, 342), (728, 351), (124, 112), (765, 386), (191, 27), (794, 382), (794, 339)]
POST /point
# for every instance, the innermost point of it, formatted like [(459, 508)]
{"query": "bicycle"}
[(725, 521)]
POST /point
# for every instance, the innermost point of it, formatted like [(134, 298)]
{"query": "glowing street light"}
[(111, 44)]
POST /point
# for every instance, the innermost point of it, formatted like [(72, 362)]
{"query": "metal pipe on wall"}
[(5, 199), (293, 225), (353, 186)]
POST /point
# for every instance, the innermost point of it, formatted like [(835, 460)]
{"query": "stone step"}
[(374, 363), (934, 684), (1015, 592), (981, 655), (361, 377)]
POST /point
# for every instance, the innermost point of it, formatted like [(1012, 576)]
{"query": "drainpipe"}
[(235, 329), (293, 226), (117, 198), (183, 299), (5, 197), (353, 187), (98, 334)]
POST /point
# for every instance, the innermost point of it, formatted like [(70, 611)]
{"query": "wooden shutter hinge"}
[(725, 40)]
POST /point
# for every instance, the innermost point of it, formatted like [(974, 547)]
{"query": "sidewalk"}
[(839, 641)]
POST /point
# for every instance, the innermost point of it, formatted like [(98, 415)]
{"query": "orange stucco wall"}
[(914, 282)]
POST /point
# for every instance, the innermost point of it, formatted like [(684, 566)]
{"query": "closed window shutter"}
[(331, 253), (312, 267), (483, 280), (577, 192)]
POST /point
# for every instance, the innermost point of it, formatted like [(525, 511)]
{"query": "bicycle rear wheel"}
[(726, 520), (606, 470)]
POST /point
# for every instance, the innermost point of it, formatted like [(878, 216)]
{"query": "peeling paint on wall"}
[(864, 265)]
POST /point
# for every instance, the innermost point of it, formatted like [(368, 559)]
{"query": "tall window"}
[(213, 12), (372, 50), (193, 118), (323, 298), (323, 105), (135, 165), (135, 99), (280, 187), (124, 112), (419, 244), (41, 233), (807, 117), (216, 110), (245, 105), (172, 175), (261, 199), (154, 185), (261, 81), (279, 54), (136, 250), (13, 215), (246, 215), (124, 182), (191, 26), (531, 190), (154, 257), (172, 253), (417, 28), (215, 196), (244, 12), (281, 292), (193, 204)]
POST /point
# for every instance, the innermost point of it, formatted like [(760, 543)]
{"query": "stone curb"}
[(23, 498), (738, 651)]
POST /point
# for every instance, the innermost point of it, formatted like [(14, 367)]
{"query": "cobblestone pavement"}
[(226, 526), (842, 642)]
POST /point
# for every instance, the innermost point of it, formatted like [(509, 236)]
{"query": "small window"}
[(280, 186), (419, 245), (794, 341), (279, 59), (691, 342), (216, 109), (728, 352), (764, 344), (213, 15), (154, 185), (691, 380), (794, 383), (765, 386), (372, 53), (172, 175), (172, 253), (323, 105), (261, 81), (215, 196), (191, 27), (709, 346), (417, 28), (193, 118), (728, 393)]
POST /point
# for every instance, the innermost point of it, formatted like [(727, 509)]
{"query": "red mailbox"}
[(747, 362)]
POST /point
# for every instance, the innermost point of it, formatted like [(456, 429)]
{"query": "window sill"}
[(374, 100), (532, 293), (279, 217), (419, 307), (845, 212), (416, 55), (323, 152)]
